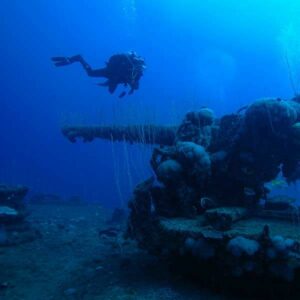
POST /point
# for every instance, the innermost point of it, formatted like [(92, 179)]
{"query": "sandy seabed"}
[(71, 260)]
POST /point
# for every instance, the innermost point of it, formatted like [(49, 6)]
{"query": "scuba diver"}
[(124, 69)]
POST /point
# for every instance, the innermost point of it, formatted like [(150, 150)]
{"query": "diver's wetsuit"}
[(124, 69)]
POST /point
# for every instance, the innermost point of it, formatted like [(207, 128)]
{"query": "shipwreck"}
[(208, 210)]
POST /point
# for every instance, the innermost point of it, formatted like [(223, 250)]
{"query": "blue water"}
[(221, 54)]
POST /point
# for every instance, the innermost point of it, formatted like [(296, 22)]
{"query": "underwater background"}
[(202, 216), (220, 54)]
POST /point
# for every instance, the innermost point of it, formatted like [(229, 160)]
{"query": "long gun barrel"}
[(144, 134)]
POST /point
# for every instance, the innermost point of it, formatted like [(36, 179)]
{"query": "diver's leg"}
[(61, 61), (91, 72)]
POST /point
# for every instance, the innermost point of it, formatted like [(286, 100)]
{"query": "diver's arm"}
[(133, 87), (131, 91)]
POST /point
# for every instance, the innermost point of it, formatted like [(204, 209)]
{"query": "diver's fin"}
[(60, 61), (58, 58), (61, 64), (76, 58)]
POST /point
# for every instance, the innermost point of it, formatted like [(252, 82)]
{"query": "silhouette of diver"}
[(126, 68)]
